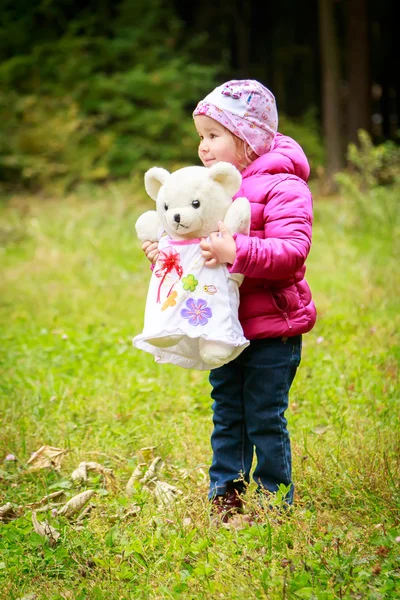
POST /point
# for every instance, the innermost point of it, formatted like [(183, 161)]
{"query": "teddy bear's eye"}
[(166, 206), (196, 204)]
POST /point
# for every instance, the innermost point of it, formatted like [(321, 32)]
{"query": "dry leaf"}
[(147, 454), (75, 503), (165, 493), (136, 476), (133, 511), (80, 474), (45, 500), (53, 507), (45, 530), (85, 512), (320, 429), (151, 472), (9, 513), (107, 473), (47, 457)]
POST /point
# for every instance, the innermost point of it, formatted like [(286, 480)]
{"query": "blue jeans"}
[(251, 395)]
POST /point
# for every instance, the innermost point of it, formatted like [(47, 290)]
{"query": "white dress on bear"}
[(190, 301)]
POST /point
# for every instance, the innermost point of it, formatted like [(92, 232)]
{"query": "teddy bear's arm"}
[(148, 226), (238, 215)]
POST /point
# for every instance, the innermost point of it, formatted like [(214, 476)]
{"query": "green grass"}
[(72, 294)]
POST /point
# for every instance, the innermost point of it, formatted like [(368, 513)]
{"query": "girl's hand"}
[(151, 251), (207, 252), (220, 249)]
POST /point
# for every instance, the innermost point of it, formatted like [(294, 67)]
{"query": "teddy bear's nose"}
[(177, 218)]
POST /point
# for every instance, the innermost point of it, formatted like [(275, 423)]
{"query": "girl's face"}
[(216, 143)]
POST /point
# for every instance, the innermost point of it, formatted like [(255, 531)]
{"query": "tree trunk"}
[(358, 65), (331, 117), (241, 10)]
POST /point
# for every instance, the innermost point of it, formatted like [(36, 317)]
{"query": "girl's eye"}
[(196, 204), (166, 206)]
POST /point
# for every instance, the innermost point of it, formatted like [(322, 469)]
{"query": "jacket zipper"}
[(287, 320)]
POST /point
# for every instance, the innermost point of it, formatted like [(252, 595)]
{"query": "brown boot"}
[(227, 505)]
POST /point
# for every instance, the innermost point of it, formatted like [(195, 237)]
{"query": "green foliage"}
[(105, 93), (90, 107), (373, 165), (307, 133), (370, 205)]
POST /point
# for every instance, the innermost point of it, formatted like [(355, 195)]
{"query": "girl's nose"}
[(203, 146)]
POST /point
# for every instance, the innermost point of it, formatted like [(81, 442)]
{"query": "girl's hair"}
[(245, 154)]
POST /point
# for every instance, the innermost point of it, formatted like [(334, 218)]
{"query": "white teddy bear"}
[(191, 316)]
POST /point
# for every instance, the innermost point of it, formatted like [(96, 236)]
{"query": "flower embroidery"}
[(167, 262), (189, 283), (197, 312), (170, 301), (210, 289)]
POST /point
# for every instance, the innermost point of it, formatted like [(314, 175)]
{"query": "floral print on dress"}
[(210, 289), (189, 283), (169, 260), (170, 301), (197, 312)]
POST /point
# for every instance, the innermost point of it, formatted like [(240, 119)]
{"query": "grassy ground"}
[(72, 292)]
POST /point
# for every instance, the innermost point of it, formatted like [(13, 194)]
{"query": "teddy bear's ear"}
[(227, 175), (155, 178)]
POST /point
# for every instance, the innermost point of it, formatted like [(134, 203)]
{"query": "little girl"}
[(237, 123)]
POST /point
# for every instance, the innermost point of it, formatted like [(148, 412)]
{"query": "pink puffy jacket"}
[(275, 299)]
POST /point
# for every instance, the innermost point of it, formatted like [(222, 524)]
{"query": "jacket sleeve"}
[(287, 231)]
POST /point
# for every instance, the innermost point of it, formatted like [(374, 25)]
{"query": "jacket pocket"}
[(286, 301)]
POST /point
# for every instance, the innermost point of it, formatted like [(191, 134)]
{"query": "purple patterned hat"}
[(247, 109)]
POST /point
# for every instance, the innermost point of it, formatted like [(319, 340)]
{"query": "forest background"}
[(96, 91)]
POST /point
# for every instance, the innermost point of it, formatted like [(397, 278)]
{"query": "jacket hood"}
[(285, 156)]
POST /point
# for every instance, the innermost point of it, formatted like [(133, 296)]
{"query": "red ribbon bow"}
[(168, 261)]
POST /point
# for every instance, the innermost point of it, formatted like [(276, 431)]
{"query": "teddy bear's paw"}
[(215, 354), (165, 342)]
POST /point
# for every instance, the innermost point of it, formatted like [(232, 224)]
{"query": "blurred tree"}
[(108, 96), (330, 89), (358, 69), (92, 89)]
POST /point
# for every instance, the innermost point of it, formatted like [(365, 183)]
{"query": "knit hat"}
[(247, 109)]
